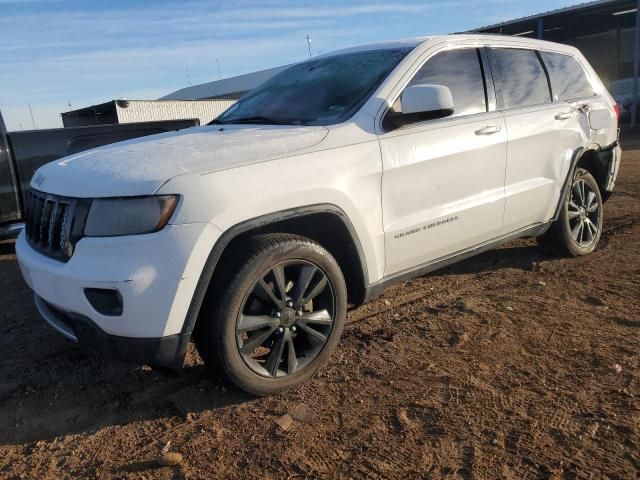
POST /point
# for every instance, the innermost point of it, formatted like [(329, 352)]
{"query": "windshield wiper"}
[(259, 119)]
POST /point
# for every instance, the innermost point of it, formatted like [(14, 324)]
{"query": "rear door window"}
[(519, 77), (568, 79)]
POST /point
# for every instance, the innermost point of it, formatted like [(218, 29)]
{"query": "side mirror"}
[(430, 99), (420, 103)]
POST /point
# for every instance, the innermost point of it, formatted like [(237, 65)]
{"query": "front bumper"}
[(166, 351), (155, 274)]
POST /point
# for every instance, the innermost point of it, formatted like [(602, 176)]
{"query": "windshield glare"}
[(323, 91)]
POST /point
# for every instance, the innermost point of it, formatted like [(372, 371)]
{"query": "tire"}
[(248, 331), (578, 228)]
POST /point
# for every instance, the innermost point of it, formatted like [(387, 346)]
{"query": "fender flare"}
[(231, 233), (577, 155)]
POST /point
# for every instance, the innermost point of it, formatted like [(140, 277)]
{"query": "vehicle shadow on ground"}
[(98, 393), (519, 257), (55, 388)]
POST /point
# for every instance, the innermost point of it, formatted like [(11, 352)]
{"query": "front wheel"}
[(279, 317), (578, 228)]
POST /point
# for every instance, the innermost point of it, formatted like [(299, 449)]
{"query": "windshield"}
[(323, 91)]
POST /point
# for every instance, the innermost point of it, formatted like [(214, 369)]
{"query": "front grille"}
[(54, 223)]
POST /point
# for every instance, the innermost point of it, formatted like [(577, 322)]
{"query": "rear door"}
[(543, 136), (443, 180)]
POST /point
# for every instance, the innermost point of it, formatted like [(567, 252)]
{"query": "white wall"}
[(152, 110)]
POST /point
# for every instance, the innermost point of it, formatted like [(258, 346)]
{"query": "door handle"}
[(584, 107), (489, 130), (564, 116)]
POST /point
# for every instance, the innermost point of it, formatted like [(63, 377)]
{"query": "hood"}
[(140, 166)]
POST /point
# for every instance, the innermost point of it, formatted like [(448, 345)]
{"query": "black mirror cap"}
[(395, 120)]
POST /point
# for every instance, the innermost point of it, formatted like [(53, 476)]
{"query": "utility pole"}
[(32, 120), (188, 75), (309, 44), (218, 63)]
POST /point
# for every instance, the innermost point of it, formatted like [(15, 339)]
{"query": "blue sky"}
[(81, 51)]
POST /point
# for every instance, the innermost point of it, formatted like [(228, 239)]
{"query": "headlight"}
[(110, 217)]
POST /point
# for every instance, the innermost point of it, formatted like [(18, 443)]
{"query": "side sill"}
[(375, 289)]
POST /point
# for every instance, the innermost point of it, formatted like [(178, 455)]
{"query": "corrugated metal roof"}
[(564, 10), (226, 86)]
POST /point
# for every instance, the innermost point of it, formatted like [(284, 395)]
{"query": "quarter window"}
[(519, 77), (568, 78), (460, 71)]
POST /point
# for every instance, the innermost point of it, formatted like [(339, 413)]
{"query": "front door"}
[(443, 180)]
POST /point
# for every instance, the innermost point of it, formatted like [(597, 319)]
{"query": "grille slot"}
[(51, 226)]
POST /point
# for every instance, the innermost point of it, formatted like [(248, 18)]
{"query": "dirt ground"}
[(509, 365)]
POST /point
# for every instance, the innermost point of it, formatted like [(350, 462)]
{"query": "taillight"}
[(616, 107)]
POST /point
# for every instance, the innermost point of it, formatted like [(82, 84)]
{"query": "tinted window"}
[(460, 71), (568, 78), (519, 77), (321, 91)]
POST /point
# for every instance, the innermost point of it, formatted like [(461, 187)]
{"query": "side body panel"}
[(539, 152), (442, 188)]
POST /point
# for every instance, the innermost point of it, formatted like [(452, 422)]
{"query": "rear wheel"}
[(280, 316), (579, 226)]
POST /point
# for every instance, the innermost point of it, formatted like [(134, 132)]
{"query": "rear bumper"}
[(166, 351)]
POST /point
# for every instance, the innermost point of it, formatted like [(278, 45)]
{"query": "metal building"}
[(133, 111), (605, 31)]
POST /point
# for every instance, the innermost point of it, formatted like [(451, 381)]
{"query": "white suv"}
[(339, 176)]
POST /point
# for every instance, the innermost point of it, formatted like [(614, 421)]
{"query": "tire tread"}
[(239, 258), (557, 241)]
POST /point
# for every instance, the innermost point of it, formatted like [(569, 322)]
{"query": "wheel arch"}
[(597, 161), (336, 233)]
